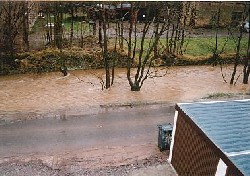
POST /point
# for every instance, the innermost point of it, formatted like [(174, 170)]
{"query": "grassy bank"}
[(203, 46), (196, 51)]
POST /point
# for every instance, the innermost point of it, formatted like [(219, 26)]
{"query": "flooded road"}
[(51, 95)]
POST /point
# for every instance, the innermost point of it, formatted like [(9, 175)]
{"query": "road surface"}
[(124, 127)]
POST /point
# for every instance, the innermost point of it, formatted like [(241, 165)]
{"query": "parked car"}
[(246, 26)]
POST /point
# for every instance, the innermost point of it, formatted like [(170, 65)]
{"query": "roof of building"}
[(227, 125)]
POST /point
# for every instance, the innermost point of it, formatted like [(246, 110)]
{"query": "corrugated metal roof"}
[(227, 125)]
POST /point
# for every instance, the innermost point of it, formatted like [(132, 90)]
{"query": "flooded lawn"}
[(80, 92)]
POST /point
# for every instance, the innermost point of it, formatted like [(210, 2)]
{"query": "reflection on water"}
[(81, 90)]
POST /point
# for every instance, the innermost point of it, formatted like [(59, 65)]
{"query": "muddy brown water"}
[(80, 92), (89, 129)]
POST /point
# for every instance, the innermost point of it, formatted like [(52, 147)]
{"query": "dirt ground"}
[(107, 161)]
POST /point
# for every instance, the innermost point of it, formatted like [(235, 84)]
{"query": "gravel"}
[(74, 168)]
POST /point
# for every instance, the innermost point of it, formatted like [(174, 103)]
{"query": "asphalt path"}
[(119, 127)]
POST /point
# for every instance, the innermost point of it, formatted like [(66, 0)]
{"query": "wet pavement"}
[(115, 142), (129, 126)]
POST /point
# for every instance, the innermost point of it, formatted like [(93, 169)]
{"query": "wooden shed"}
[(211, 138)]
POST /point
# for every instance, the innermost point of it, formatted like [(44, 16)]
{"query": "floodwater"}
[(51, 94)]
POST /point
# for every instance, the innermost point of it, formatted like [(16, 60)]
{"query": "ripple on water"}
[(80, 90)]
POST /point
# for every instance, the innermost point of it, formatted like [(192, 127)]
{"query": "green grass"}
[(195, 47), (204, 46), (199, 46), (77, 27)]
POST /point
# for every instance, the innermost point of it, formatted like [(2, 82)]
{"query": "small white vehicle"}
[(246, 26)]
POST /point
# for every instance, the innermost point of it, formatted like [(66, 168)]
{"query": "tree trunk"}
[(50, 37), (58, 28), (116, 34), (100, 26), (130, 51), (10, 27), (81, 36), (121, 30), (156, 33), (237, 56), (144, 62), (246, 73), (71, 25), (113, 72), (246, 69), (105, 49), (26, 26), (135, 87)]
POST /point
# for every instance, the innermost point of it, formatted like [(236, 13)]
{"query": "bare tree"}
[(48, 8), (216, 57), (25, 23), (105, 54), (176, 16), (238, 47), (145, 58), (121, 28), (246, 69), (12, 16), (105, 48), (71, 11), (100, 27), (58, 29)]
